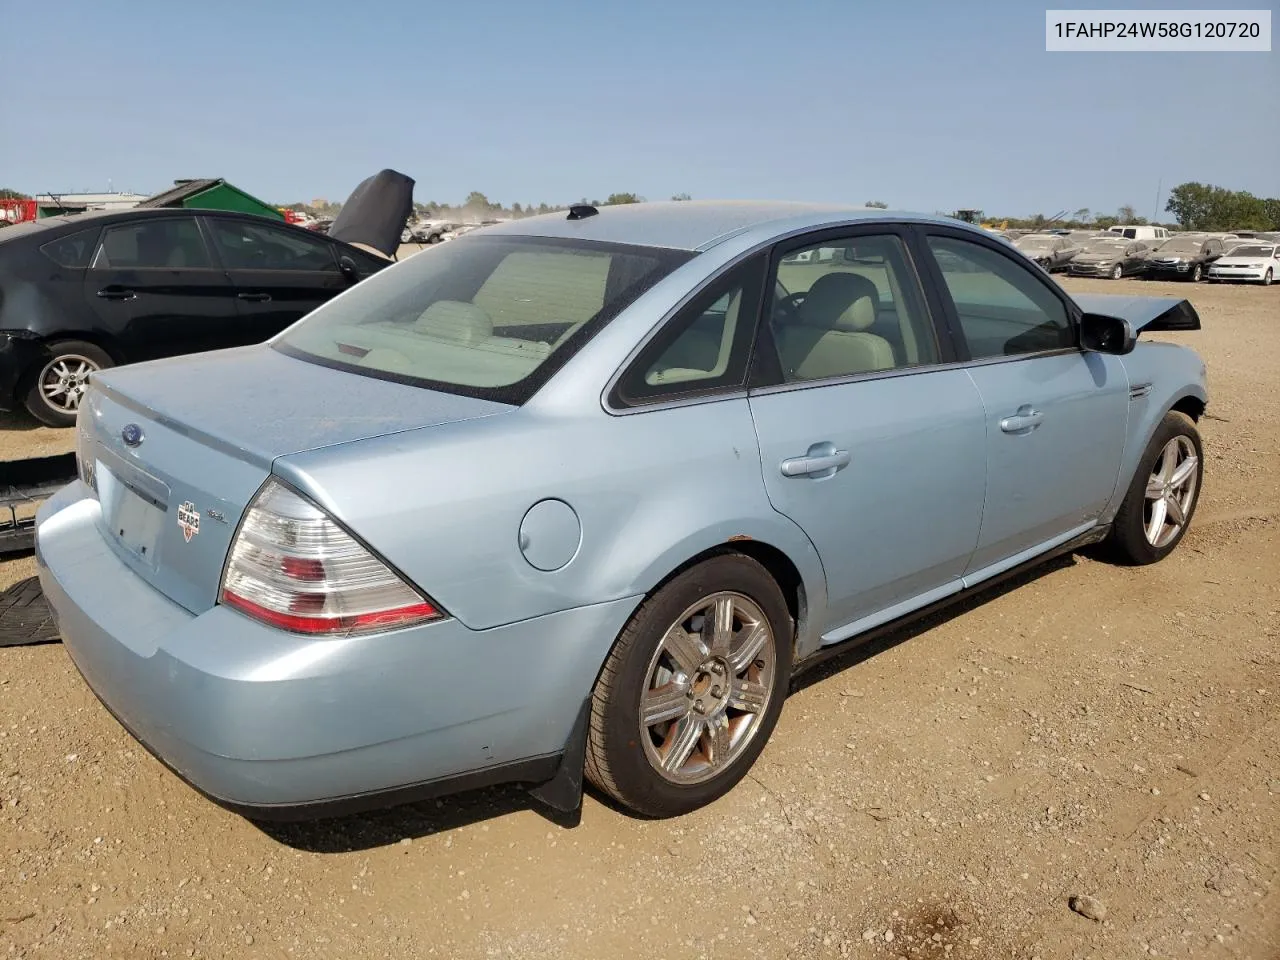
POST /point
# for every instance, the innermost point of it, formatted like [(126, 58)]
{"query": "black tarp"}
[(376, 212)]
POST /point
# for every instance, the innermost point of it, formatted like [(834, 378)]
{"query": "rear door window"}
[(152, 244)]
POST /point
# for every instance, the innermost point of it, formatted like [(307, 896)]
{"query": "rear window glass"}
[(72, 250), (488, 316)]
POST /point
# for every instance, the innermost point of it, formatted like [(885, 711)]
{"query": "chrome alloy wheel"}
[(709, 685), (1171, 491), (64, 380)]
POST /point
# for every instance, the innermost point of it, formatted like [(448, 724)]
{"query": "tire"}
[(624, 753), (1196, 273), (1267, 278), (71, 364), (1130, 540), (1117, 271)]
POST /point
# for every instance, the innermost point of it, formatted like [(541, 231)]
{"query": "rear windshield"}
[(489, 317)]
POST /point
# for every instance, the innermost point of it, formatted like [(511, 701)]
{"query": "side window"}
[(252, 246), (150, 244), (705, 347), (847, 307), (73, 250), (1003, 308)]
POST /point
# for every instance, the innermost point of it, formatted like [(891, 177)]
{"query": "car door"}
[(155, 288), (1135, 257), (1055, 414), (867, 442), (279, 273)]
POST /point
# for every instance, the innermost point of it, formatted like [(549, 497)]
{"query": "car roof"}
[(696, 224)]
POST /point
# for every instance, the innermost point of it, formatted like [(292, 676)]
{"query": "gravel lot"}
[(1089, 731)]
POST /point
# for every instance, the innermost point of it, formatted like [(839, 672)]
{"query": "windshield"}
[(490, 317), (1034, 242), (1253, 250), (1180, 245), (1105, 246)]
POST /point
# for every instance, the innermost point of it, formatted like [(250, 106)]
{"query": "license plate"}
[(132, 519)]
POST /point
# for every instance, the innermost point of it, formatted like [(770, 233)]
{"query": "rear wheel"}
[(53, 396), (692, 689), (1163, 494)]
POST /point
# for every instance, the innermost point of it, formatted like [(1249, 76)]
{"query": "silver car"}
[(580, 493)]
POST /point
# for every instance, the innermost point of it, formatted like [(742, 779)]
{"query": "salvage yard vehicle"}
[(1255, 262), (1183, 258), (1149, 234), (1112, 257), (1051, 251), (81, 293), (582, 492)]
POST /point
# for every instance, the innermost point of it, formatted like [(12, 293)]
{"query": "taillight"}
[(293, 567)]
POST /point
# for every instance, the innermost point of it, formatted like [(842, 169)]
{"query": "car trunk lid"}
[(177, 449)]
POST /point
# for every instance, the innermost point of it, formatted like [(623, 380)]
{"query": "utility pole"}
[(1155, 217)]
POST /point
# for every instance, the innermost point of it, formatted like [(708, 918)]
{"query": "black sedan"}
[(1183, 258), (80, 293)]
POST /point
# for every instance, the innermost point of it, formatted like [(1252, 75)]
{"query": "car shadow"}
[(412, 821), (862, 652), (356, 832), (18, 421)]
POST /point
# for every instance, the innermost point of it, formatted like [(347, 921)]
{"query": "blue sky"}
[(927, 105)]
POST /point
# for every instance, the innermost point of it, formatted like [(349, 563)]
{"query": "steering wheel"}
[(787, 308)]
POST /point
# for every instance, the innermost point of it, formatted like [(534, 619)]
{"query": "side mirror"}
[(1102, 334), (348, 268)]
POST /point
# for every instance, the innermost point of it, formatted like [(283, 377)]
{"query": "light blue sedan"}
[(580, 494)]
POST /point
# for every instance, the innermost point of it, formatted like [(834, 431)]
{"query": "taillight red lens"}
[(293, 567)]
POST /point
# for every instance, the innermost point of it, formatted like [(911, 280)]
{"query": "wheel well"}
[(1193, 407), (777, 563), (105, 344)]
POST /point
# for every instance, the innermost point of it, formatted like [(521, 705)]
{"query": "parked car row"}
[(1153, 253)]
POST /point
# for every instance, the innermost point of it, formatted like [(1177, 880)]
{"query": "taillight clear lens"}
[(294, 568), (84, 457)]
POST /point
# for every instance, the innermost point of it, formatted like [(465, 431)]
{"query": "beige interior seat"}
[(829, 335)]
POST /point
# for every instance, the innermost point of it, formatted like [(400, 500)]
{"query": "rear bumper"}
[(18, 354), (280, 726)]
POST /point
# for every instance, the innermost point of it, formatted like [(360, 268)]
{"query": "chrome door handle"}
[(1024, 421), (807, 466)]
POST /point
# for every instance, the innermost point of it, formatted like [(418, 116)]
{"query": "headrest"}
[(455, 320), (840, 301)]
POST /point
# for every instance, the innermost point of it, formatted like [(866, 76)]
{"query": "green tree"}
[(877, 205), (543, 208), (1082, 215), (7, 194), (1271, 207), (681, 196), (1127, 214), (615, 198), (517, 210)]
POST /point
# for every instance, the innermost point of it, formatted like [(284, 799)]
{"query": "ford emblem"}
[(131, 434)]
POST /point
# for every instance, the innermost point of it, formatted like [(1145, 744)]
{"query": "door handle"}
[(114, 292), (254, 297), (825, 463), (1024, 421)]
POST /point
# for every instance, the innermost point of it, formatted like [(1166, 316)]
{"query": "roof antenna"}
[(580, 211)]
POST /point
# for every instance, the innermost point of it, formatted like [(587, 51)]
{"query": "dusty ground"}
[(1092, 730)]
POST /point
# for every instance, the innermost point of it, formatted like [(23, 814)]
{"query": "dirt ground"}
[(1090, 730)]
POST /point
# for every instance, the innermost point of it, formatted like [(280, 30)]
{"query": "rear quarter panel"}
[(651, 490)]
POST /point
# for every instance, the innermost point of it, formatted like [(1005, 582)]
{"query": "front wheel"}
[(1196, 273), (54, 394), (1267, 278), (692, 689), (1117, 272), (1163, 494)]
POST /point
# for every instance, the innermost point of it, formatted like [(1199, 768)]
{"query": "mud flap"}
[(563, 792)]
